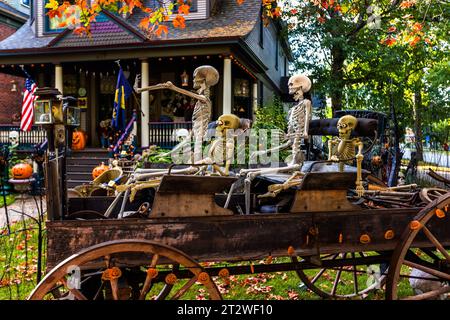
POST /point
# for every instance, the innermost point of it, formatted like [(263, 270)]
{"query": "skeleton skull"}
[(226, 122), (14, 138), (345, 126), (205, 76), (298, 85)]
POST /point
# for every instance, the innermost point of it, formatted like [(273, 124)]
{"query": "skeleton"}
[(223, 144), (204, 78), (298, 125), (13, 139), (342, 149)]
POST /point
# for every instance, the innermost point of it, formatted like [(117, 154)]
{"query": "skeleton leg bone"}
[(252, 174)]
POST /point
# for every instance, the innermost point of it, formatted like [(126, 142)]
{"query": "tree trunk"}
[(397, 156), (418, 123), (337, 77)]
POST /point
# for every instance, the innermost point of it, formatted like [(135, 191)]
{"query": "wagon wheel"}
[(428, 195), (347, 281), (424, 246), (111, 252)]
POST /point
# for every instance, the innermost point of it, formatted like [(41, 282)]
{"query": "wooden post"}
[(145, 104), (226, 106)]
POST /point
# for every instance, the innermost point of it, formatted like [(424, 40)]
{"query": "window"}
[(157, 3), (25, 3), (57, 24)]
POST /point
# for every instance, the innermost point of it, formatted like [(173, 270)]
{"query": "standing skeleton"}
[(298, 125), (342, 149), (204, 78)]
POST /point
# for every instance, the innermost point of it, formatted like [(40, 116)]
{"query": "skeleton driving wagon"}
[(318, 222)]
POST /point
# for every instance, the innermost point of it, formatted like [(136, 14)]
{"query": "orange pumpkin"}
[(22, 171), (99, 170), (78, 140)]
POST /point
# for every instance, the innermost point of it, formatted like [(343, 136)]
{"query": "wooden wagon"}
[(193, 220)]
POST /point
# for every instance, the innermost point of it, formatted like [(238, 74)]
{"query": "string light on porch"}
[(240, 65)]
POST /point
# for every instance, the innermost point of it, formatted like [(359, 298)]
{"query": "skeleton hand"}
[(136, 82), (334, 158), (168, 84), (359, 190)]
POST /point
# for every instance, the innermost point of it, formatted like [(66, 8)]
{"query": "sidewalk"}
[(26, 205)]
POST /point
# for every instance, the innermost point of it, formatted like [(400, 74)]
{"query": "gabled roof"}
[(107, 30), (227, 20), (24, 38), (12, 12)]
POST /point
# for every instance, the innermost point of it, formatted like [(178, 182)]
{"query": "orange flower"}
[(269, 260), (392, 29), (414, 41), (321, 20), (417, 27), (407, 4)]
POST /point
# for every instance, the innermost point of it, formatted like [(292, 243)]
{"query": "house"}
[(13, 14), (251, 59)]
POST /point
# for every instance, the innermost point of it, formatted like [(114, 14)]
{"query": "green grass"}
[(10, 198), (18, 260)]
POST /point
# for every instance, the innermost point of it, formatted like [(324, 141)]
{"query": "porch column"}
[(59, 78), (226, 105), (145, 104), (255, 99)]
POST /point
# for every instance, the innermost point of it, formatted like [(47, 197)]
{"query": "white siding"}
[(40, 18), (203, 8)]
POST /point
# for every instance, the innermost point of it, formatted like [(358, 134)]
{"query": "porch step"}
[(91, 161), (79, 176), (73, 183), (80, 164), (90, 153)]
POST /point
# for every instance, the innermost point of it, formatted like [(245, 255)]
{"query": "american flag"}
[(27, 105)]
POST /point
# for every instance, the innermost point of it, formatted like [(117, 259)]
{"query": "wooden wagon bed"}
[(240, 237)]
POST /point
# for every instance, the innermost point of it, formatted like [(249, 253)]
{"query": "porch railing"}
[(163, 134), (31, 138)]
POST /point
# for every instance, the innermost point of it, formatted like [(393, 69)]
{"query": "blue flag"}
[(123, 91)]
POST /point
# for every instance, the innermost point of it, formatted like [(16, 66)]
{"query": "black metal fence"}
[(164, 134)]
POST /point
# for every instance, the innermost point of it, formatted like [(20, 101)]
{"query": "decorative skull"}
[(226, 122), (298, 85), (14, 138), (205, 76), (180, 134), (345, 126)]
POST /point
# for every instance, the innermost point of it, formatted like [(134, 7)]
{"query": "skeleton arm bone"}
[(359, 159), (331, 144), (307, 118), (284, 146), (171, 86)]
